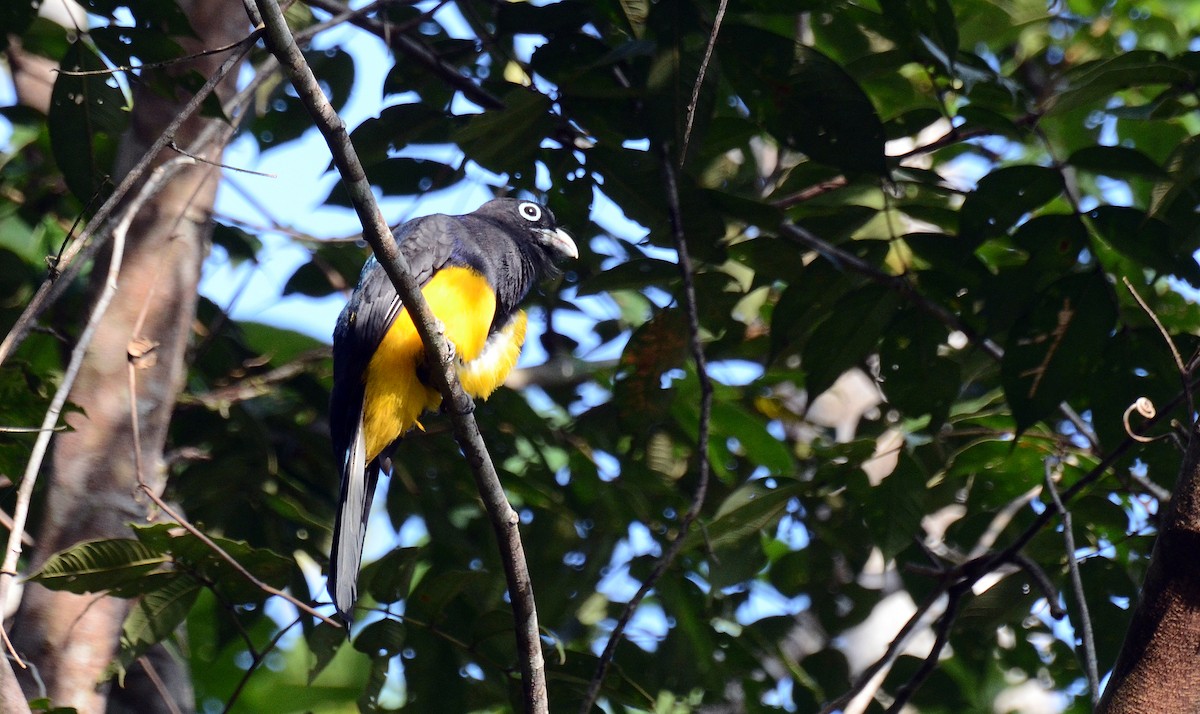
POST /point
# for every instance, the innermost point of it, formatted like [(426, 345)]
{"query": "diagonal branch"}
[(686, 272), (1085, 619), (418, 53), (438, 351)]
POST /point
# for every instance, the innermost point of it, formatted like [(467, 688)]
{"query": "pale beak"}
[(558, 242)]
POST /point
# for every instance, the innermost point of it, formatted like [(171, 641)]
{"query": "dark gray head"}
[(532, 224)]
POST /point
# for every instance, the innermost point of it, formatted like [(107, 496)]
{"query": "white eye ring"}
[(530, 211)]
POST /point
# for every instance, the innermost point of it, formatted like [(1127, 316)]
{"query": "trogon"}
[(473, 270)]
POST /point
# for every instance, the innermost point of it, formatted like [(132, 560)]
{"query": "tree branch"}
[(438, 351), (417, 52), (1085, 619), (686, 272)]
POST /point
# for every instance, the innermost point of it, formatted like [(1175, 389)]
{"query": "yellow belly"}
[(395, 398)]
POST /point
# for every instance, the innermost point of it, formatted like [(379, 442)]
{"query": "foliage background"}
[(943, 198)]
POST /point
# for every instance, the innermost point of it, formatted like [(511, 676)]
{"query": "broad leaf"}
[(1056, 345), (100, 565)]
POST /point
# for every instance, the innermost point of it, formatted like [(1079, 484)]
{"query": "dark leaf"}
[(382, 639), (389, 578), (156, 615), (1118, 161), (847, 336), (1003, 197), (1056, 345), (87, 116)]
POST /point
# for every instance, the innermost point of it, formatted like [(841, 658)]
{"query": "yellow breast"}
[(395, 398)]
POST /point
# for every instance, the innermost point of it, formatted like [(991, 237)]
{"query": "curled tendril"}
[(1145, 408)]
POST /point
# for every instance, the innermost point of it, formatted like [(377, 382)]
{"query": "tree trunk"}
[(90, 492), (1156, 669)]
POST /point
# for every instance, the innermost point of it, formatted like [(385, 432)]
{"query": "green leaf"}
[(847, 336), (285, 118), (745, 513), (1143, 238), (98, 565), (156, 615), (508, 139), (892, 509), (1003, 197), (195, 556), (390, 578), (280, 344), (631, 275), (433, 595), (807, 302), (239, 244), (927, 28), (323, 641), (398, 126), (916, 378), (382, 639), (1117, 161), (1054, 347), (119, 43), (87, 116), (1093, 82), (760, 447), (1053, 241), (652, 349), (15, 17), (804, 98), (833, 120)]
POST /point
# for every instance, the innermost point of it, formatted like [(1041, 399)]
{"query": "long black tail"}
[(350, 528)]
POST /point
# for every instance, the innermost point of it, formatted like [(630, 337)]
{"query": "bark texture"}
[(90, 490), (1156, 670)]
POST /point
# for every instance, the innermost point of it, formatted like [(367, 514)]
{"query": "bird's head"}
[(531, 220)]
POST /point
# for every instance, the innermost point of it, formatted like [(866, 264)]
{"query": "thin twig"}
[(259, 657), (691, 109), (1183, 370), (148, 65), (894, 648), (811, 192), (1042, 580), (686, 271), (505, 521), (256, 385), (12, 651), (159, 685), (954, 136), (176, 148), (945, 623), (418, 53), (1085, 623)]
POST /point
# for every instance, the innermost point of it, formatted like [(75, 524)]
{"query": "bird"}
[(474, 270)]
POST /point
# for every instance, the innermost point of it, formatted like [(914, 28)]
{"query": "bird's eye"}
[(530, 211)]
